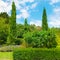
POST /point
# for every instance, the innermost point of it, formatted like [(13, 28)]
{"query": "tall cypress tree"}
[(13, 20), (44, 20), (12, 24)]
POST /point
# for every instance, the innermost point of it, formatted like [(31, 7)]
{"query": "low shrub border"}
[(36, 54)]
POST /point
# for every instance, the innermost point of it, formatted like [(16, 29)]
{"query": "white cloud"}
[(54, 24), (56, 10), (33, 5), (54, 1), (24, 14), (5, 7), (19, 16), (36, 22), (54, 20), (28, 1)]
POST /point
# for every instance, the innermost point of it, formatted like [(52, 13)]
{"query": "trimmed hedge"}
[(36, 54)]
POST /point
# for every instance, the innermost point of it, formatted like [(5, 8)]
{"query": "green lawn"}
[(6, 56)]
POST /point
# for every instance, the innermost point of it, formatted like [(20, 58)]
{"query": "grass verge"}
[(6, 55)]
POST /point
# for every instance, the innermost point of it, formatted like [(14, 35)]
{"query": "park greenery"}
[(36, 54), (27, 35), (28, 42)]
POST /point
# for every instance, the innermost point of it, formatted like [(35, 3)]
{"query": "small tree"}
[(26, 26), (25, 23), (44, 20)]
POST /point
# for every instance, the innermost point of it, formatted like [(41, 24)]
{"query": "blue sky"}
[(33, 9)]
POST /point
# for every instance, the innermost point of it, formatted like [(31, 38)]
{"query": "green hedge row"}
[(36, 54)]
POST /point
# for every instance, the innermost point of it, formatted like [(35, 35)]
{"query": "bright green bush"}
[(36, 54), (48, 39), (37, 39)]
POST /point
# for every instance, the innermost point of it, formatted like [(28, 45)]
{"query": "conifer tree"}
[(13, 20), (12, 23), (25, 23), (44, 20)]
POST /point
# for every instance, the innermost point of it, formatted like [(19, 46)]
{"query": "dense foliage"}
[(36, 54), (25, 34), (41, 39), (6, 16), (3, 28)]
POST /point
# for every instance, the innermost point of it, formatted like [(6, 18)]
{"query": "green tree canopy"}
[(3, 31), (6, 16)]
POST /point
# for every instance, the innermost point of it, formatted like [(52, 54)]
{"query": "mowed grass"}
[(6, 55)]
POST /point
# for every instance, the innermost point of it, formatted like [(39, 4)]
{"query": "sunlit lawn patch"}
[(6, 56)]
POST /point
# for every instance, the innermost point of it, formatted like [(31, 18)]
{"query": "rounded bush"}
[(37, 39)]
